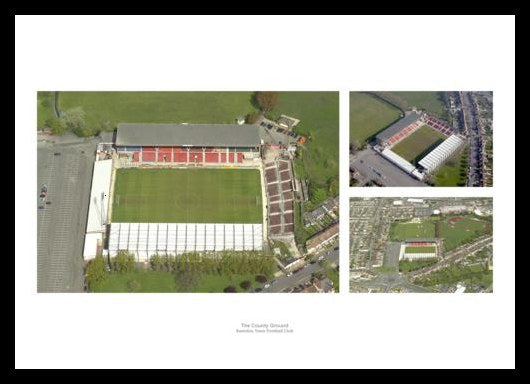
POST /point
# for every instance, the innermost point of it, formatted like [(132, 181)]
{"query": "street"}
[(67, 171), (302, 276)]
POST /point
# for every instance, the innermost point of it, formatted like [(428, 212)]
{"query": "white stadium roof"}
[(92, 241), (398, 160), (441, 153), (99, 194), (148, 239)]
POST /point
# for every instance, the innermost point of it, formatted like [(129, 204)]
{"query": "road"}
[(303, 276), (372, 166), (388, 282), (473, 131), (61, 225)]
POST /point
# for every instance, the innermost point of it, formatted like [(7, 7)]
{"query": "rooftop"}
[(207, 135), (398, 126)]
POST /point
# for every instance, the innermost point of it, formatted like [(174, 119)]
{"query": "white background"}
[(246, 53)]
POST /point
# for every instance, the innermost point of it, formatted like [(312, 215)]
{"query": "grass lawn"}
[(158, 107), (187, 196), (368, 116), (463, 230), (217, 283), (144, 281), (407, 266), (469, 275), (448, 175), (318, 113), (420, 249), (44, 108), (414, 147), (319, 118), (333, 275), (404, 231), (430, 101), (157, 281)]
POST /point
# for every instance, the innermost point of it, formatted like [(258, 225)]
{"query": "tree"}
[(267, 101), (245, 285), (261, 279), (56, 125), (156, 262), (230, 289), (96, 270), (75, 121), (333, 186), (251, 118), (318, 195), (123, 262)]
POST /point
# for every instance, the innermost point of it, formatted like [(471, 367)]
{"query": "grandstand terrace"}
[(280, 197), (438, 124), (188, 144), (399, 130)]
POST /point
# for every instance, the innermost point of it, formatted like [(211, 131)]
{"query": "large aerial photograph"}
[(429, 244), (421, 139), (187, 191)]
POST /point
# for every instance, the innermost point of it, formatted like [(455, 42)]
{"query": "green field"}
[(474, 275), (414, 147), (403, 231), (318, 113), (44, 108), (187, 196), (420, 249), (430, 101), (413, 265), (149, 281), (158, 107), (368, 116), (319, 121), (455, 230), (453, 171), (462, 231)]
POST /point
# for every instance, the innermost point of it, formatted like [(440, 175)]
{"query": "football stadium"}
[(419, 143), (168, 189), (418, 249)]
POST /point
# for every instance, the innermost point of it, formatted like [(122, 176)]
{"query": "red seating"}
[(148, 155), (212, 157), (180, 157), (223, 157), (196, 157), (136, 157), (239, 157), (231, 157), (164, 154)]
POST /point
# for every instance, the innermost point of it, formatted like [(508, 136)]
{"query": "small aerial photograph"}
[(426, 244), (420, 139), (187, 191)]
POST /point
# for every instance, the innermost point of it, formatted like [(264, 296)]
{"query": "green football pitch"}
[(414, 147), (187, 196), (420, 249)]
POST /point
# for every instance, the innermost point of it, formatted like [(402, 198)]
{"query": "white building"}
[(98, 208), (147, 239), (441, 153)]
